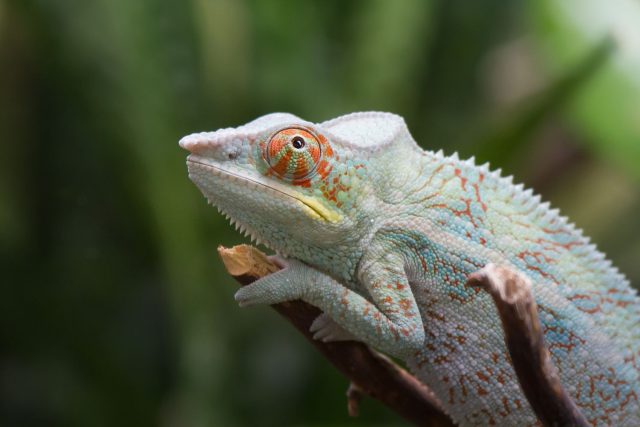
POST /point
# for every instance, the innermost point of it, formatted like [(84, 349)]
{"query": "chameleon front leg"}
[(390, 321)]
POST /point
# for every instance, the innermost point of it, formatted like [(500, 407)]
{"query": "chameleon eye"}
[(297, 142), (293, 154)]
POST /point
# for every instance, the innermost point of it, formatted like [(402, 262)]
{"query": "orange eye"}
[(293, 153)]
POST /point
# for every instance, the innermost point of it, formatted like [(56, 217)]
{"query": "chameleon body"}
[(382, 236)]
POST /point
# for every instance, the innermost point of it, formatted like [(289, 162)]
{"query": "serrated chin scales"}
[(245, 230)]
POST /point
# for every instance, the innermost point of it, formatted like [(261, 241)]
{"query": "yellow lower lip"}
[(316, 209)]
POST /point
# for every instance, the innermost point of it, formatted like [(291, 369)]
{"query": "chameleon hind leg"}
[(325, 329)]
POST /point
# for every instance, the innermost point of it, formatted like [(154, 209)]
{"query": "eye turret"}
[(294, 154)]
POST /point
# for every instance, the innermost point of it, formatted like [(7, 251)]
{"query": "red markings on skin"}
[(492, 421), (463, 388), (569, 245), (393, 330), (463, 180), (436, 172), (441, 359), (344, 299), (543, 273), (457, 298), (466, 212), (572, 341), (433, 315), (592, 386), (330, 188), (427, 184), (549, 244), (478, 199), (632, 360), (326, 147), (405, 304), (481, 376), (423, 262), (505, 404), (555, 231), (593, 310), (461, 339), (630, 396), (537, 255), (600, 301), (449, 347), (324, 168), (521, 224)]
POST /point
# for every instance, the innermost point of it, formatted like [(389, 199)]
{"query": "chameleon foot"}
[(326, 330)]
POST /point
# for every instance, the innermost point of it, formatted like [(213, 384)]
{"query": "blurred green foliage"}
[(115, 309)]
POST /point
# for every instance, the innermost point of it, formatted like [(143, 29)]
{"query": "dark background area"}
[(115, 309)]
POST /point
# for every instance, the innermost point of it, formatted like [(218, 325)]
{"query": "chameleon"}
[(382, 235)]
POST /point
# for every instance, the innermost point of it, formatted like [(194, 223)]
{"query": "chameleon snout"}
[(214, 145)]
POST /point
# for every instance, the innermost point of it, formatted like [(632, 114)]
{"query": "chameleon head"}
[(293, 185)]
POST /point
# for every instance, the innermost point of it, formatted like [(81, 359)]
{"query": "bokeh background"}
[(114, 308)]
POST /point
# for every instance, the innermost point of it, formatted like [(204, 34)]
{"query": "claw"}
[(241, 298)]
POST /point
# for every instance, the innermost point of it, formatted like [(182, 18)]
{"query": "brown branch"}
[(538, 377), (370, 372), (354, 396)]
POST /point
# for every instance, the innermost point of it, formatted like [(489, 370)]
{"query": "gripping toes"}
[(325, 329), (252, 295), (284, 285)]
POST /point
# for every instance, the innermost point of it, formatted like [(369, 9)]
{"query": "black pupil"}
[(297, 142)]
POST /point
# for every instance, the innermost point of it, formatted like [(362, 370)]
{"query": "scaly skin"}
[(382, 235)]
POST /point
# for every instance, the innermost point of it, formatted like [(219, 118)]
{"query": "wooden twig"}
[(370, 372), (354, 396), (538, 377)]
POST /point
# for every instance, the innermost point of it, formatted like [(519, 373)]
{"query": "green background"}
[(114, 308)]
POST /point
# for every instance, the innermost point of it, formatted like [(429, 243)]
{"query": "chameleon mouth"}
[(308, 205)]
